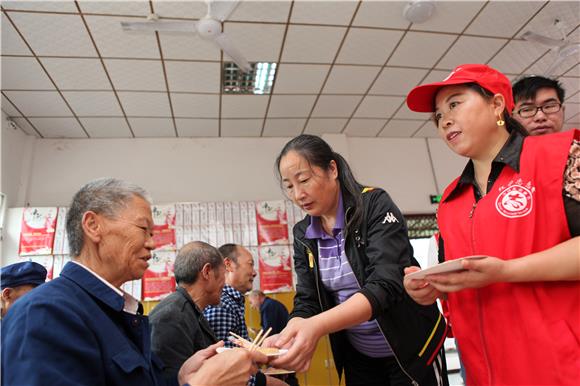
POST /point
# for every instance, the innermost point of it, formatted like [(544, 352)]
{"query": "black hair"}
[(527, 87), (510, 123), (318, 152), (230, 251), (191, 259)]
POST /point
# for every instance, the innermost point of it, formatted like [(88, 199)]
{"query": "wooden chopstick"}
[(268, 331), (243, 340), (256, 340)]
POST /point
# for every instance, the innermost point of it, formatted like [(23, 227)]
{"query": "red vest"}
[(520, 333)]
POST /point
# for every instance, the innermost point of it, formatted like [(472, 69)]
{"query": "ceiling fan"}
[(563, 48), (209, 28)]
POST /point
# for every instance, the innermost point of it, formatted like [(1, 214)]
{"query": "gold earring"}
[(500, 122)]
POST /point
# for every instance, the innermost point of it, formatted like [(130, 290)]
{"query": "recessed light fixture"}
[(419, 11), (257, 81)]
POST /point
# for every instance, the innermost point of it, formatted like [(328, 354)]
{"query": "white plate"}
[(270, 354), (448, 266)]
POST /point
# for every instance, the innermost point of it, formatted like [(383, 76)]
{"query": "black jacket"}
[(378, 252), (178, 330)]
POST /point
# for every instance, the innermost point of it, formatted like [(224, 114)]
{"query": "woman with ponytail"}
[(515, 310), (349, 254)]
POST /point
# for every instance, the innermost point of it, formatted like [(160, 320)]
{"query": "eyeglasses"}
[(531, 111)]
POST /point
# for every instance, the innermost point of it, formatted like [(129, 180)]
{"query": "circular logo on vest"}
[(515, 201)]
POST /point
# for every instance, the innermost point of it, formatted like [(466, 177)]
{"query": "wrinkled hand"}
[(420, 290), (195, 361), (478, 273), (300, 337), (232, 367)]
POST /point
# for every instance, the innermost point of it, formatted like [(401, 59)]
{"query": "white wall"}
[(47, 172)]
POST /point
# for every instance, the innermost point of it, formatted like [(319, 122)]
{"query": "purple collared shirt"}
[(339, 280)]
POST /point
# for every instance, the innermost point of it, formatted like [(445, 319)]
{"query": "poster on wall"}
[(275, 268), (272, 222), (158, 280), (47, 261), (37, 233), (164, 227)]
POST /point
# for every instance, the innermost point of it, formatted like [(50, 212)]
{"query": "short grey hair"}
[(106, 196), (191, 258)]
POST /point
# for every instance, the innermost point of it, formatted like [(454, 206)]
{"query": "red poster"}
[(164, 227), (47, 262), (158, 280), (272, 222), (275, 268), (37, 233)]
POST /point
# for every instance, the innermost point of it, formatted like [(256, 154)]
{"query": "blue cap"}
[(18, 274)]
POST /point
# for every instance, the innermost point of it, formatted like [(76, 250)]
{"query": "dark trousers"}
[(362, 370)]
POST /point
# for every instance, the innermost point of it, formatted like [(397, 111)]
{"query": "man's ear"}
[(229, 263), (206, 271), (7, 293), (92, 226)]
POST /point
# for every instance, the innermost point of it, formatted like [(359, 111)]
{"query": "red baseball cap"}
[(422, 98)]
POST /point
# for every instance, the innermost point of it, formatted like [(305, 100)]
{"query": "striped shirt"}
[(339, 280)]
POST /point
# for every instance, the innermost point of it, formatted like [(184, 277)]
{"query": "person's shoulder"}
[(170, 305)]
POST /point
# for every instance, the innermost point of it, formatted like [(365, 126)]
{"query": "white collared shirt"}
[(131, 304)]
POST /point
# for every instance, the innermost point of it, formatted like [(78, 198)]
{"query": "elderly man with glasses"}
[(538, 104), (81, 328)]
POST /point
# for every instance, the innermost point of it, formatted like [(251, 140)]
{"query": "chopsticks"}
[(257, 342)]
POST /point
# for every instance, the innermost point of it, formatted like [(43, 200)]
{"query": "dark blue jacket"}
[(273, 314), (73, 331)]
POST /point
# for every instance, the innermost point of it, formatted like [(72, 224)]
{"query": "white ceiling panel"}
[(45, 5), (572, 111), (300, 78), (420, 49), (191, 127), (106, 127), (378, 106), (39, 103), (364, 127), (244, 106), (434, 76), (428, 130), (193, 77), (77, 74), (264, 11), (136, 75), (400, 128), (548, 59), (93, 103), (113, 42), (291, 105), (25, 126), (516, 56), (503, 18), (241, 127), (364, 46), (464, 51), (350, 79), (54, 34), (58, 127), (8, 108), (335, 106), (319, 126), (258, 43), (397, 81), (308, 44), (323, 12), (384, 14), (195, 105), (24, 74), (571, 85), (568, 12), (12, 44), (573, 71), (137, 8), (142, 104), (450, 16), (152, 127), (283, 127), (188, 46), (573, 97), (181, 9)]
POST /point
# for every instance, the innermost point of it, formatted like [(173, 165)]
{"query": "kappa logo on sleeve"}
[(390, 218)]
